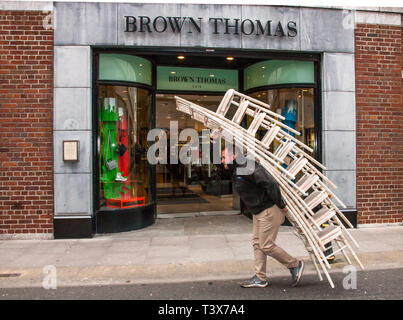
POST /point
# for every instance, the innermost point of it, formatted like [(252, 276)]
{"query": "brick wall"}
[(379, 101), (26, 121)]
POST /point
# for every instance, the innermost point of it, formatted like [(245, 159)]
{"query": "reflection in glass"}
[(196, 186), (122, 147), (297, 106)]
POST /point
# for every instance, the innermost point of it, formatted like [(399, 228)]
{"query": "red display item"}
[(123, 139), (126, 203)]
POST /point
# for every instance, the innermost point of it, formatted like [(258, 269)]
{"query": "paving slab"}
[(176, 249)]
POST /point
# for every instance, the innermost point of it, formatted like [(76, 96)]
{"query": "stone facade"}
[(316, 32), (46, 92)]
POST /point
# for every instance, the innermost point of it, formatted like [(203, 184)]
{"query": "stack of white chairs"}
[(306, 191)]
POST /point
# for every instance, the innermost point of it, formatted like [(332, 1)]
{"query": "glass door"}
[(197, 186)]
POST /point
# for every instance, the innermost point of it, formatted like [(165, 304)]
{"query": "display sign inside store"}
[(196, 79)]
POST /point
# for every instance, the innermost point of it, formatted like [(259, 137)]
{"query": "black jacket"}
[(257, 189)]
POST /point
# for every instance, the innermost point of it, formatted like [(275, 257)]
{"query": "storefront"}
[(204, 53), (135, 93), (118, 66)]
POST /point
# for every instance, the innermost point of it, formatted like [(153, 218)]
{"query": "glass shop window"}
[(297, 106), (124, 180)]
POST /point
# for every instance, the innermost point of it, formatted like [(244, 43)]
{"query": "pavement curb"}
[(181, 272)]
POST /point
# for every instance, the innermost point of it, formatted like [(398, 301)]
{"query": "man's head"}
[(233, 154), (229, 154)]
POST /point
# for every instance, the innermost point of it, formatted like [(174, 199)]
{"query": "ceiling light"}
[(212, 75), (181, 57), (173, 72), (230, 58)]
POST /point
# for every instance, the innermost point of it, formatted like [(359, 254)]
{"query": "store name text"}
[(196, 79), (162, 24)]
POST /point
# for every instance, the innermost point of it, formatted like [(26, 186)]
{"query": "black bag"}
[(121, 149)]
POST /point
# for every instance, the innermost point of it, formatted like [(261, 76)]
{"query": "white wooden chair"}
[(302, 195)]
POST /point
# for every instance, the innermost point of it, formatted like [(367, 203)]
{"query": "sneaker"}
[(254, 282), (119, 177), (296, 273)]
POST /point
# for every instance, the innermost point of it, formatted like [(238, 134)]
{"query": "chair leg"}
[(354, 255), (346, 231), (344, 253), (328, 278), (316, 266)]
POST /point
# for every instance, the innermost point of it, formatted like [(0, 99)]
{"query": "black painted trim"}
[(124, 84), (94, 134), (123, 220), (72, 228), (352, 216), (318, 112), (146, 52)]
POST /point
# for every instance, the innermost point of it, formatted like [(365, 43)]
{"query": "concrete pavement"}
[(175, 250)]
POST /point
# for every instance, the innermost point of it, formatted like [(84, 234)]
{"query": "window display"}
[(297, 106), (124, 169)]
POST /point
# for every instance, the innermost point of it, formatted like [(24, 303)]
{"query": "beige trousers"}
[(265, 229)]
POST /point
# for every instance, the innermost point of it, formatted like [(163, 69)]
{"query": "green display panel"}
[(272, 72), (123, 67), (196, 79)]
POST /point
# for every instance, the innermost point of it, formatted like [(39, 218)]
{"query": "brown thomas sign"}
[(162, 24)]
